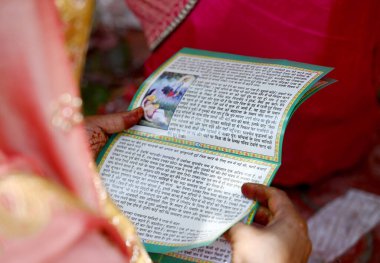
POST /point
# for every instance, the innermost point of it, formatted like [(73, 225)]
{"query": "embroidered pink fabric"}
[(159, 18), (35, 73), (334, 128)]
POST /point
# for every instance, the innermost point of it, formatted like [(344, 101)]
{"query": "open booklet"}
[(212, 121)]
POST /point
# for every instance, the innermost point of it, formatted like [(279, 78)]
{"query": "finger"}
[(276, 200), (255, 192), (279, 203), (117, 122), (263, 216), (132, 117)]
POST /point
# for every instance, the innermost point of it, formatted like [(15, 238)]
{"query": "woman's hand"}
[(100, 126), (282, 235)]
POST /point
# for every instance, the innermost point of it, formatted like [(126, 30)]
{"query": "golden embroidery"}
[(27, 203), (173, 25), (67, 112), (76, 16)]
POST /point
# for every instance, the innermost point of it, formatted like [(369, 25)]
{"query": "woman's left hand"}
[(282, 236), (98, 127)]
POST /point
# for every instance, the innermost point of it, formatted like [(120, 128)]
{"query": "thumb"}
[(117, 122)]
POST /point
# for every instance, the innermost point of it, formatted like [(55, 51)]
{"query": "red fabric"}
[(334, 128)]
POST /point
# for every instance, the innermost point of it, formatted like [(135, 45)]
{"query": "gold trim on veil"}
[(76, 16)]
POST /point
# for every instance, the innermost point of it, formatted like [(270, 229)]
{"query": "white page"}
[(178, 196), (224, 103)]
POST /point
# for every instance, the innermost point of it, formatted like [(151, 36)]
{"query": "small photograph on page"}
[(163, 97)]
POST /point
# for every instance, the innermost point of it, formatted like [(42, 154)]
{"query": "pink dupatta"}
[(49, 201)]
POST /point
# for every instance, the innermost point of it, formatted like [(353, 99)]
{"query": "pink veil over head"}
[(49, 206)]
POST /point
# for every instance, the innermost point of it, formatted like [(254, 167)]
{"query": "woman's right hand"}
[(281, 235)]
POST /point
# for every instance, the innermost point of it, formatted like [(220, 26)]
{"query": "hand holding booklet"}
[(212, 121)]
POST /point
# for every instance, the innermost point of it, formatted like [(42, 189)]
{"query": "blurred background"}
[(115, 57)]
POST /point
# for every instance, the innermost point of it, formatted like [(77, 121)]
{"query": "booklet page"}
[(211, 123), (178, 196), (239, 106)]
